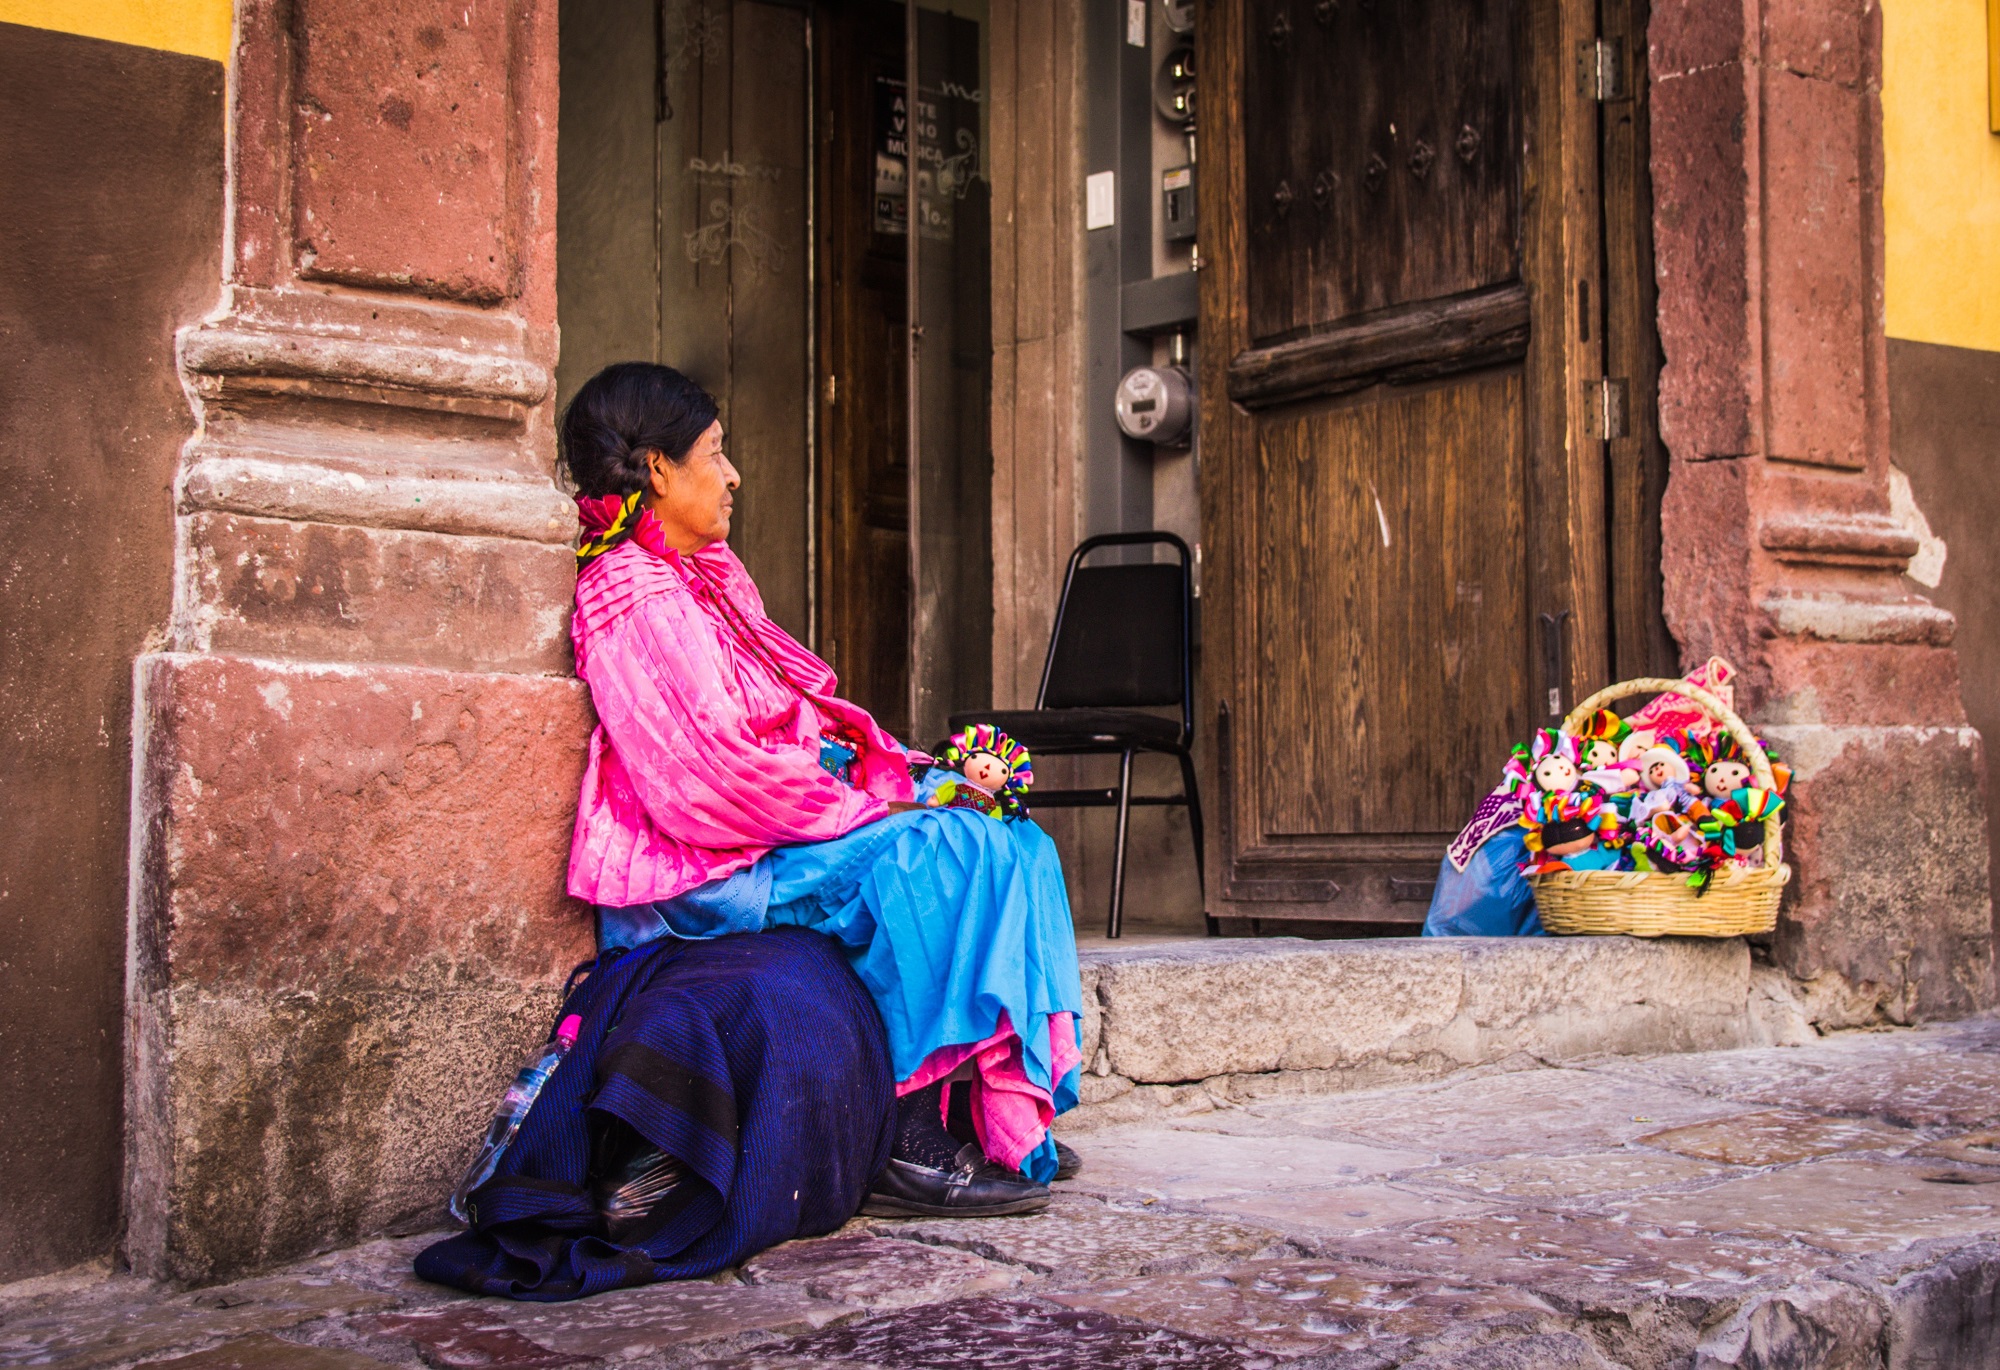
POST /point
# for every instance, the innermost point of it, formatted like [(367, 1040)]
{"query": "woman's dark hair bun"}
[(621, 413)]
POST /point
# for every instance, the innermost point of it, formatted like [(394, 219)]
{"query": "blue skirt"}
[(948, 917)]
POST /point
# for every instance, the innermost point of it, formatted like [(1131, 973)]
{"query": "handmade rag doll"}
[(1733, 831), (1600, 737), (1573, 830), (1609, 761), (1664, 786), (1551, 764), (994, 772), (1721, 769)]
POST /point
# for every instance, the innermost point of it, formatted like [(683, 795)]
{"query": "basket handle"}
[(1753, 751)]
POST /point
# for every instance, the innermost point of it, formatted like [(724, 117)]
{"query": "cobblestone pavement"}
[(1836, 1204)]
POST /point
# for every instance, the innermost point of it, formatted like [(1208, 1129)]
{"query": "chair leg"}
[(1191, 792), (1116, 926)]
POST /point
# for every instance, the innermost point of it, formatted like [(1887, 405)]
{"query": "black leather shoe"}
[(1067, 1162), (974, 1188)]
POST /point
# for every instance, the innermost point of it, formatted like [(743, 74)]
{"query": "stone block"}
[(1307, 1307), (349, 924), (1572, 1177), (1706, 525), (1189, 1011), (1076, 1238), (1483, 1114), (1815, 270), (1556, 1253), (1543, 1351), (1840, 1205), (1690, 35), (1821, 39), (1189, 1162), (1780, 1137), (263, 1351), (469, 1337), (1704, 189), (402, 148), (1943, 1314), (321, 592), (877, 1272), (632, 1323), (1334, 1213), (1816, 1322), (1947, 1079), (1010, 1334), (1891, 887), (105, 1333), (1887, 671)]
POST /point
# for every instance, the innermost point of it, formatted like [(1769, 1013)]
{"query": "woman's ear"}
[(656, 472)]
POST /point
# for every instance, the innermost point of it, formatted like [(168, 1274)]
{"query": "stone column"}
[(358, 750), (1780, 552)]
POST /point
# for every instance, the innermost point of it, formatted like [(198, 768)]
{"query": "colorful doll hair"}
[(984, 737), (1570, 813), (1672, 842), (1547, 742), (1605, 726), (1703, 752), (1735, 827)]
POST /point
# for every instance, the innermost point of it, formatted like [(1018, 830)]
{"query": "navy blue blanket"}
[(757, 1059)]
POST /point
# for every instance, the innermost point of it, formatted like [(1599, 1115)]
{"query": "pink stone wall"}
[(1779, 550), (358, 755), (351, 916)]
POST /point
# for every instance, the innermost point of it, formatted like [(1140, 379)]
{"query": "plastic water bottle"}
[(514, 1106)]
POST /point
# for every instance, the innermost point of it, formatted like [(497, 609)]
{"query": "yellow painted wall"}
[(1941, 202), (199, 28)]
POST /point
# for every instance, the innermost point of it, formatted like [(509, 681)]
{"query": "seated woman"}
[(755, 841), (716, 801), (707, 810)]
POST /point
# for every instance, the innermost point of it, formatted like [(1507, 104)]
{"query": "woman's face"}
[(692, 498)]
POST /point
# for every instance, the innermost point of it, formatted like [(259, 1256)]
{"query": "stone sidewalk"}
[(1834, 1204)]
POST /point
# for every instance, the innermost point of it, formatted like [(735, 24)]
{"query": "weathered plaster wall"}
[(1782, 551), (1944, 406), (95, 137), (360, 747), (1941, 209), (1941, 191)]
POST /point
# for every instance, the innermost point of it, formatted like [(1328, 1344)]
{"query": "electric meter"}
[(1155, 404)]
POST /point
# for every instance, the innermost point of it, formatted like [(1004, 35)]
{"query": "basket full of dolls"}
[(1666, 823)]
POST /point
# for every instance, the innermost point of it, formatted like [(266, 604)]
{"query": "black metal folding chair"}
[(1122, 643)]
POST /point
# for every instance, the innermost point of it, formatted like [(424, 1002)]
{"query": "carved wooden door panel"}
[(1400, 227)]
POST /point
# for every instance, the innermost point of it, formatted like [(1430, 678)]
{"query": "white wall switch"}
[(1100, 200)]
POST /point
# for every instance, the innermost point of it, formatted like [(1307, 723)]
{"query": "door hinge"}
[(1601, 71), (1606, 409)]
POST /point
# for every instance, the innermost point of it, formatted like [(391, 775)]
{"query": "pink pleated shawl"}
[(706, 750)]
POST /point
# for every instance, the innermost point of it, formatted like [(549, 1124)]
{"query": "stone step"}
[(1177, 1025)]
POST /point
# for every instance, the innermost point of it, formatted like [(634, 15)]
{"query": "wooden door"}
[(872, 629), (1403, 508), (864, 472), (685, 186)]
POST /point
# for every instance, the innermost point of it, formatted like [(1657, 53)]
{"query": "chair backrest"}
[(1122, 633)]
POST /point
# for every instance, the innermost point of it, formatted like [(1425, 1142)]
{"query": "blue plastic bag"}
[(1490, 897)]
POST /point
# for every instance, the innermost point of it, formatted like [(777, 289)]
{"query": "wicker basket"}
[(1738, 900)]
